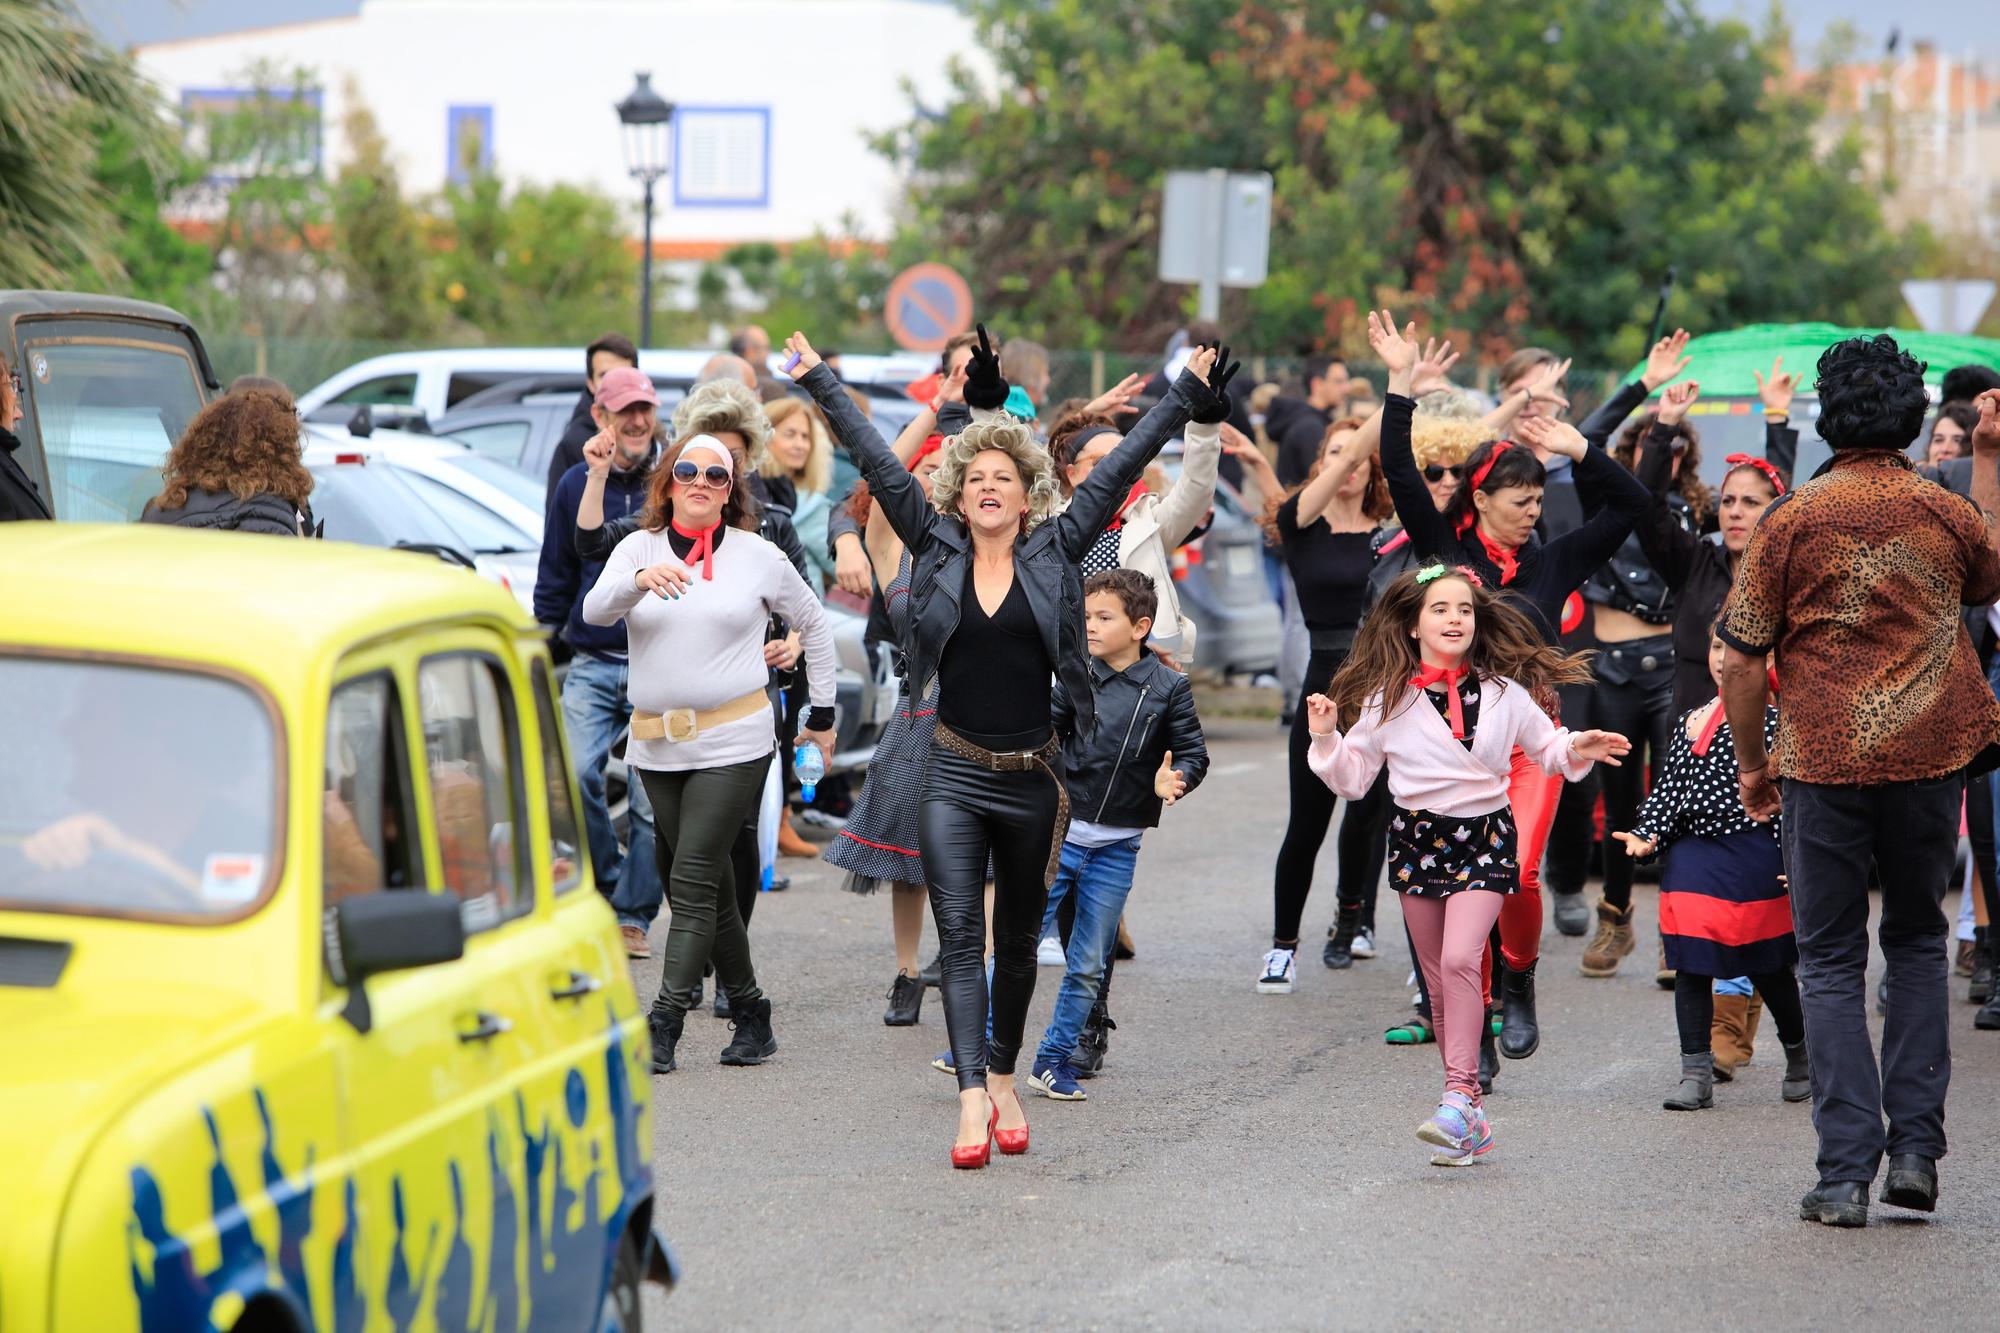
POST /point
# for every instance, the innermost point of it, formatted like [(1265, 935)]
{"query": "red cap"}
[(621, 388)]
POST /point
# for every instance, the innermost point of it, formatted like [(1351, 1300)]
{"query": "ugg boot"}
[(1612, 941), (1663, 976), (1697, 1089), (1797, 1086), (1734, 1033)]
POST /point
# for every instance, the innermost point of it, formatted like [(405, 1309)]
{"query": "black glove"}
[(1215, 410), (984, 388)]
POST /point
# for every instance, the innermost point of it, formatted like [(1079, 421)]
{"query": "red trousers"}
[(1533, 795)]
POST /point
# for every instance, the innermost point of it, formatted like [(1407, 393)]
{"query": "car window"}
[(464, 383), (502, 440), (386, 390), (135, 790), (565, 856), (472, 747), (367, 819), (502, 478), (482, 531), (371, 504), (108, 413)]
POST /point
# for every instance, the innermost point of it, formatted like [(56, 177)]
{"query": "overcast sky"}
[(1949, 22)]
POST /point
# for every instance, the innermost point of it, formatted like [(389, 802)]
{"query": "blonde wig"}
[(818, 475), (1444, 441), (1010, 437), (714, 406)]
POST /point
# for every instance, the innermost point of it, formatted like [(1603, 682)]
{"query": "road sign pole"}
[(1210, 304)]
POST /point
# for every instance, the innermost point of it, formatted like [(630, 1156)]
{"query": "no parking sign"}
[(928, 305)]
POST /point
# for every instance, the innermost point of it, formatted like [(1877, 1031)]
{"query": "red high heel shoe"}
[(979, 1154), (1012, 1142)]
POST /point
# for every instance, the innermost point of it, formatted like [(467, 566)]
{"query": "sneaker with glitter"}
[(1452, 1124), (1478, 1142)]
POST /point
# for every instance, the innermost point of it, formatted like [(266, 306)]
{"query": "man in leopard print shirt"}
[(1856, 581)]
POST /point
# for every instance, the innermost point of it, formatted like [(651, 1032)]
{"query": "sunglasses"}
[(687, 474), (1437, 472)]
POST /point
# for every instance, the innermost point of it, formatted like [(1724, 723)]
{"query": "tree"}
[(832, 285), (157, 261), (380, 243), (544, 264), (1509, 173), (61, 89)]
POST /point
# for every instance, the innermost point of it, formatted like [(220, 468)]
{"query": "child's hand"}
[(1168, 784), (1602, 747), (1636, 847), (1320, 715)]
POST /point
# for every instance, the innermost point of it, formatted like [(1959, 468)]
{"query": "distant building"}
[(775, 98), (1929, 126)]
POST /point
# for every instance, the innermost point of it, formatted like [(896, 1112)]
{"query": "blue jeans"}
[(1101, 879), (595, 709)]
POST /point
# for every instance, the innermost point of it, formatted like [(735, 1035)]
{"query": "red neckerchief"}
[(1131, 498), (1500, 556), (1706, 736), (704, 545), (1430, 675)]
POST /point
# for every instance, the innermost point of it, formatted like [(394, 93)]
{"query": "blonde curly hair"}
[(1010, 437), (725, 405), (1443, 441)]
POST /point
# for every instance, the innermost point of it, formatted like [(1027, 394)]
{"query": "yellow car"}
[(310, 1015)]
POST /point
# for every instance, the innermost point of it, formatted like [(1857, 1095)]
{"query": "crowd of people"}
[(1499, 624)]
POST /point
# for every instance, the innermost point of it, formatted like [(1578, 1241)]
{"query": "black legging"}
[(1639, 705), (1361, 849), (967, 815), (1566, 862), (1694, 1008), (1979, 832)]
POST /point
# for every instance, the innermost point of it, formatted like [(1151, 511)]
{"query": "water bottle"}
[(809, 765)]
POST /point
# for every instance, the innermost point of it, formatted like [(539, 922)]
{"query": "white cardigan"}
[(1155, 525), (1429, 768)]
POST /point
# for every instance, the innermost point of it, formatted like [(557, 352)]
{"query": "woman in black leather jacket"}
[(996, 609)]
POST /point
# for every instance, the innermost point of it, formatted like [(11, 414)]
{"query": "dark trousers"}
[(1637, 702), (1909, 831), (1574, 834), (700, 813), (1694, 1008), (1362, 845), (968, 814)]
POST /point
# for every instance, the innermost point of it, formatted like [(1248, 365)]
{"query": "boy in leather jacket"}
[(1146, 752)]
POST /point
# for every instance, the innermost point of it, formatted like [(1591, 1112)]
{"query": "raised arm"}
[(1429, 531), (1664, 363), (1781, 440), (1097, 500), (1670, 548), (599, 542), (898, 494), (1575, 554), (1543, 386), (1986, 468), (1187, 502), (1360, 446)]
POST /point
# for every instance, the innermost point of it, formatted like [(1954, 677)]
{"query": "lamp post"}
[(647, 119)]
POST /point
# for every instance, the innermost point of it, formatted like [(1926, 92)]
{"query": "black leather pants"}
[(967, 814)]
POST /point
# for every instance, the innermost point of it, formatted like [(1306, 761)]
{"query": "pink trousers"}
[(1450, 934)]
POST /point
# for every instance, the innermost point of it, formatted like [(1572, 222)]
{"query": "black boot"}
[(1339, 951), (1981, 989), (1489, 1057), (1572, 913), (934, 974), (1840, 1203), (1520, 1035), (753, 1043), (1093, 1042), (721, 1007), (906, 1001), (666, 1032), (1697, 1086), (1988, 1017), (1911, 1182)]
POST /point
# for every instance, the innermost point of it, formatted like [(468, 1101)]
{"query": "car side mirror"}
[(388, 932)]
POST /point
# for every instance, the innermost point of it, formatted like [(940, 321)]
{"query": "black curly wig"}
[(1871, 394)]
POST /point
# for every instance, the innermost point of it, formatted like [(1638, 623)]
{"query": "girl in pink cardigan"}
[(1445, 682)]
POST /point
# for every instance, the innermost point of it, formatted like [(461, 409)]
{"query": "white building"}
[(775, 98)]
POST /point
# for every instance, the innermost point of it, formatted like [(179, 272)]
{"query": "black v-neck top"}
[(994, 676), (1468, 704)]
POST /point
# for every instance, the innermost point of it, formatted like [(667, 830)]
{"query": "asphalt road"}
[(1249, 1161)]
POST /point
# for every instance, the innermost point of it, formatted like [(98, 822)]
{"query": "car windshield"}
[(482, 530), (133, 790), (108, 413), (502, 478), (373, 505)]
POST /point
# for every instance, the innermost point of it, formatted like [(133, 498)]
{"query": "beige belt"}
[(684, 724)]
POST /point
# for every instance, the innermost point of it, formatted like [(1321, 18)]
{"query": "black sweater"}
[(1548, 572)]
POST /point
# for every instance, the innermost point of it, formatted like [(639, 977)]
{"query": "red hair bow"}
[(1762, 465)]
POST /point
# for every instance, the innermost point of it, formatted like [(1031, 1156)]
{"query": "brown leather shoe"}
[(1612, 942), (635, 942)]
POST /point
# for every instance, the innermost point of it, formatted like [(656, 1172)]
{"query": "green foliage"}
[(544, 264), (832, 285), (1508, 173), (380, 243), (158, 262), (61, 91)]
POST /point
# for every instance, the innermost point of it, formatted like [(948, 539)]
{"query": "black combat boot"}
[(753, 1043)]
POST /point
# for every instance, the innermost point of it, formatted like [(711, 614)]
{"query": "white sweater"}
[(706, 648), (1155, 526), (1429, 768)]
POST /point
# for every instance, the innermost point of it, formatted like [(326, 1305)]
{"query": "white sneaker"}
[(1050, 952), (1278, 973), (1364, 943)]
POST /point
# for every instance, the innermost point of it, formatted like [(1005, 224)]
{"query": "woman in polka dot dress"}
[(1723, 905)]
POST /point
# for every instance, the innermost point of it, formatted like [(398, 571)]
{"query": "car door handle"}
[(486, 1028), (578, 985)]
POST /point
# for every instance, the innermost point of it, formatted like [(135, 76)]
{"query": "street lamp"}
[(648, 119)]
